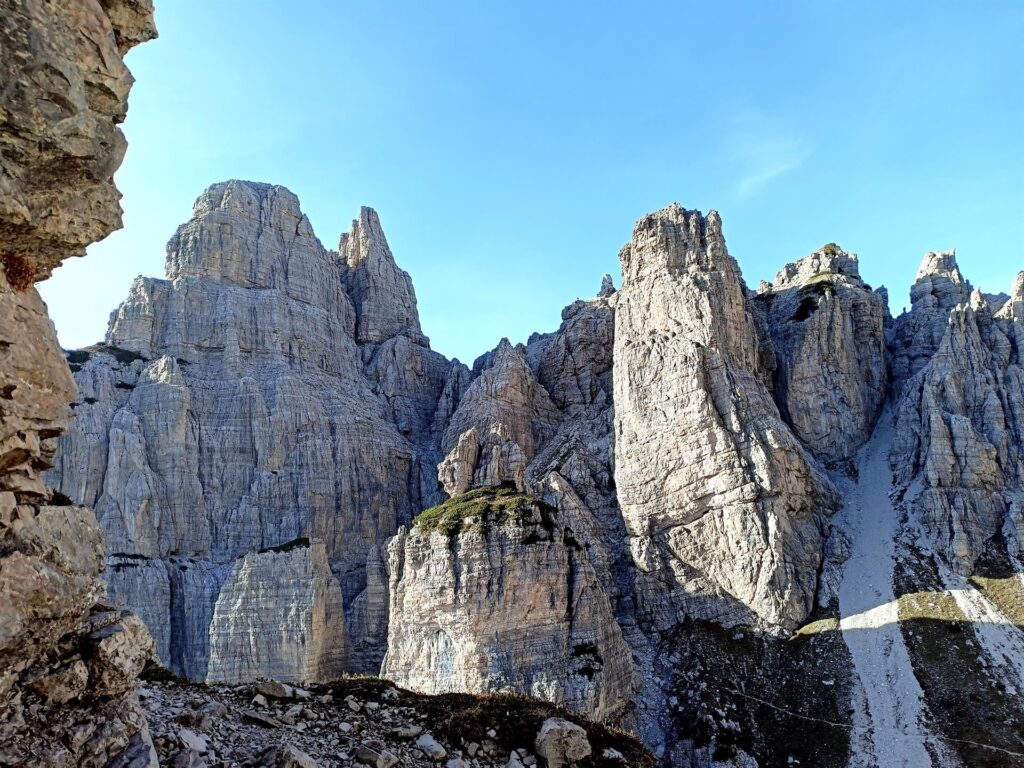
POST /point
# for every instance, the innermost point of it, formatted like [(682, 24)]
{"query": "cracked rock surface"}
[(68, 660)]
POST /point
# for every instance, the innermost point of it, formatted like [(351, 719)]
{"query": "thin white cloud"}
[(763, 150)]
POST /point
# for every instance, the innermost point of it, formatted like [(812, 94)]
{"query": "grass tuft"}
[(480, 507)]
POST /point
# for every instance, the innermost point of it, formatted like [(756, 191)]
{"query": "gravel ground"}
[(360, 722)]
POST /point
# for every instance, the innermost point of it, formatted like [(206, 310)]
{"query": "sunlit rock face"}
[(938, 287), (504, 599), (960, 434), (68, 661), (725, 509), (279, 614), (262, 428), (232, 409)]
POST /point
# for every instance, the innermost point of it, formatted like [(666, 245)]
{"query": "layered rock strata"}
[(233, 409), (960, 427), (259, 426), (278, 615), (68, 662), (726, 511), (827, 328), (491, 591)]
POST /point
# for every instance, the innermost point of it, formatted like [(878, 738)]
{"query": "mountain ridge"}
[(690, 433)]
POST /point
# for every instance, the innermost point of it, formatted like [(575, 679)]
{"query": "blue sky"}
[(509, 147)]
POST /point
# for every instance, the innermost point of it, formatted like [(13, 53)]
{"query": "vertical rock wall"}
[(725, 510), (827, 328), (278, 615), (960, 427), (233, 408), (506, 600), (68, 662)]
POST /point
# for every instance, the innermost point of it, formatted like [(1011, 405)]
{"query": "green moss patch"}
[(480, 507)]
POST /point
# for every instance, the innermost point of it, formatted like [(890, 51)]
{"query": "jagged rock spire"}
[(382, 293), (828, 260), (941, 263), (705, 468), (1013, 309), (939, 288)]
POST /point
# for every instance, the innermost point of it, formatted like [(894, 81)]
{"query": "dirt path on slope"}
[(869, 616)]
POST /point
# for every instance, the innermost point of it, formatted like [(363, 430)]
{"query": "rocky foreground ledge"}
[(366, 721)]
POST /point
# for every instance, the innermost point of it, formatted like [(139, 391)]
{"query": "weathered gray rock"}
[(382, 294), (232, 410), (960, 429), (375, 754), (67, 663), (504, 599), (828, 332), (288, 756), (59, 138), (917, 334), (429, 746), (258, 426), (506, 414), (1013, 307), (562, 743), (279, 614), (35, 387), (725, 510)]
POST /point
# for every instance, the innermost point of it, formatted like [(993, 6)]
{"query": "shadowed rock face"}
[(68, 664)]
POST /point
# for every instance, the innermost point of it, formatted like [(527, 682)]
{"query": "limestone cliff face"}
[(827, 328), (498, 595), (68, 662), (278, 615), (232, 409), (262, 430), (381, 292), (938, 288), (725, 510), (960, 428), (503, 417)]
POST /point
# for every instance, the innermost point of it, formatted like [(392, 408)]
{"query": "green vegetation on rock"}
[(951, 666), (475, 509), (123, 356), (288, 546)]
